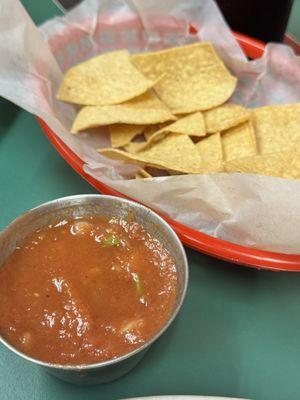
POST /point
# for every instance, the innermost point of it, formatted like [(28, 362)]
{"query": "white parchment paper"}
[(255, 211)]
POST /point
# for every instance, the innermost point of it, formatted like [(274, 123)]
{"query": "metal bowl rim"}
[(171, 232)]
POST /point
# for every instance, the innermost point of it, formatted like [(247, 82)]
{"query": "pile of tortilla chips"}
[(167, 111)]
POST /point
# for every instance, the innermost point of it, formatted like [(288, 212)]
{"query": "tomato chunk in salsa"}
[(86, 290)]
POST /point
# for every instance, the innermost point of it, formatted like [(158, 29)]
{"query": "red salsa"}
[(86, 290)]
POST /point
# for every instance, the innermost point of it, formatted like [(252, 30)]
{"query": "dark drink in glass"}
[(262, 19)]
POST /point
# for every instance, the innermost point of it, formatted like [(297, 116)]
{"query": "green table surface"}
[(237, 333)]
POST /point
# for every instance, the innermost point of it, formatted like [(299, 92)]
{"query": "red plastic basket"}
[(197, 240)]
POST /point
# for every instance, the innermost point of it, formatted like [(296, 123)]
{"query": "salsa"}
[(86, 290)]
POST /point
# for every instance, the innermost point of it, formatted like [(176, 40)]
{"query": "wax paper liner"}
[(255, 211)]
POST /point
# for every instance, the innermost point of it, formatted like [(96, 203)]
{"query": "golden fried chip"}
[(145, 109), (193, 77), (135, 147), (239, 142), (277, 127), (110, 78), (224, 117), (210, 150), (149, 130), (192, 125), (122, 134), (284, 165), (175, 153), (142, 173)]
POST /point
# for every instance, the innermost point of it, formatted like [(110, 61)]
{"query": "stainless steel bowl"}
[(93, 205)]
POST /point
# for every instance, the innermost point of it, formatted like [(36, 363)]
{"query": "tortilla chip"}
[(145, 109), (142, 173), (192, 125), (175, 153), (135, 147), (107, 79), (224, 117), (210, 150), (283, 165), (122, 134), (239, 142), (150, 129), (193, 77), (277, 127)]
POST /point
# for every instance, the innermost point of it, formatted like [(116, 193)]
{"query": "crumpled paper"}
[(255, 211)]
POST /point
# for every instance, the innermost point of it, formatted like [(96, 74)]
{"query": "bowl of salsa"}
[(87, 284)]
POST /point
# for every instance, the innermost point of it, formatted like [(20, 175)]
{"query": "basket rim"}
[(218, 248)]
